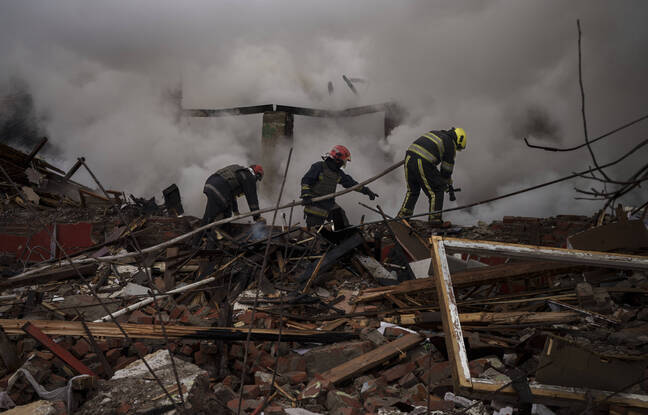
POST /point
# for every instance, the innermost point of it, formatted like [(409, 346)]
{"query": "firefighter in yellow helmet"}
[(429, 162)]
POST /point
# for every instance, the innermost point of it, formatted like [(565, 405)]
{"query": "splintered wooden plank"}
[(449, 315), (371, 359), (411, 243), (474, 277), (571, 256)]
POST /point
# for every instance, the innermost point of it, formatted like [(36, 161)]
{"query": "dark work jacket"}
[(436, 147), (321, 179), (241, 181)]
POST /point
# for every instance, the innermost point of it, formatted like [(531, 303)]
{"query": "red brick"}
[(398, 371), (274, 410), (113, 355), (56, 380), (103, 345), (251, 391), (202, 311), (337, 399), (394, 332), (294, 363), (247, 404), (124, 361), (59, 408), (236, 351), (416, 394), (373, 403), (438, 372), (136, 315), (185, 317), (200, 358), (408, 380), (295, 377), (228, 381), (145, 320), (123, 408), (141, 348), (115, 342), (177, 312), (187, 350)]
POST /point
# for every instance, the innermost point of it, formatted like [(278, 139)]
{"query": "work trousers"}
[(421, 174), (336, 215), (218, 207)]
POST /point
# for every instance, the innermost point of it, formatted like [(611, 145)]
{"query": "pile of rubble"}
[(525, 315)]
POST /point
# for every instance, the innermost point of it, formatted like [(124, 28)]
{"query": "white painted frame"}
[(452, 326)]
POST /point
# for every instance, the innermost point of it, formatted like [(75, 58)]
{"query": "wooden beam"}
[(35, 151), (55, 348), (477, 276), (449, 315), (562, 393), (411, 243), (371, 359), (255, 109), (512, 317), (152, 331), (50, 275), (571, 256)]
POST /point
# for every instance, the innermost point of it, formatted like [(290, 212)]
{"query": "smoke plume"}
[(104, 81)]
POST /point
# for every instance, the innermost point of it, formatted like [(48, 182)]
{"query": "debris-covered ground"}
[(283, 319)]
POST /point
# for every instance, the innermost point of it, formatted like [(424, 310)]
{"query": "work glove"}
[(369, 193), (307, 200)]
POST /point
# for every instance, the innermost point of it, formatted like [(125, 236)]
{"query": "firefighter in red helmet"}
[(224, 187), (321, 179)]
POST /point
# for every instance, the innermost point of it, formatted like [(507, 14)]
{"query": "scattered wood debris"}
[(390, 318)]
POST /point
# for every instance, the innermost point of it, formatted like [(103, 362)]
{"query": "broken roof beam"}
[(572, 256), (348, 112), (35, 151), (255, 109), (74, 168)]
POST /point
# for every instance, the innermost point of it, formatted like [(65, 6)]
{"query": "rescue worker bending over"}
[(321, 179), (421, 161), (223, 187)]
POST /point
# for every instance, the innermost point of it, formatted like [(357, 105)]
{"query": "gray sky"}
[(99, 72)]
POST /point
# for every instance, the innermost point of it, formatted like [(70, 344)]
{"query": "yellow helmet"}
[(460, 139)]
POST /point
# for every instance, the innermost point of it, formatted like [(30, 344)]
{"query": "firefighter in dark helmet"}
[(224, 187), (429, 162), (321, 179)]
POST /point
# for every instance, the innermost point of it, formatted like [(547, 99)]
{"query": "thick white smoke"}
[(101, 74)]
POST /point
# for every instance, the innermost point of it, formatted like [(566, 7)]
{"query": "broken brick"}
[(337, 399), (398, 371), (81, 348), (251, 391)]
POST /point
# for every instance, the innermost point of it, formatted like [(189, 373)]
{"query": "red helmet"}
[(258, 171), (340, 153)]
